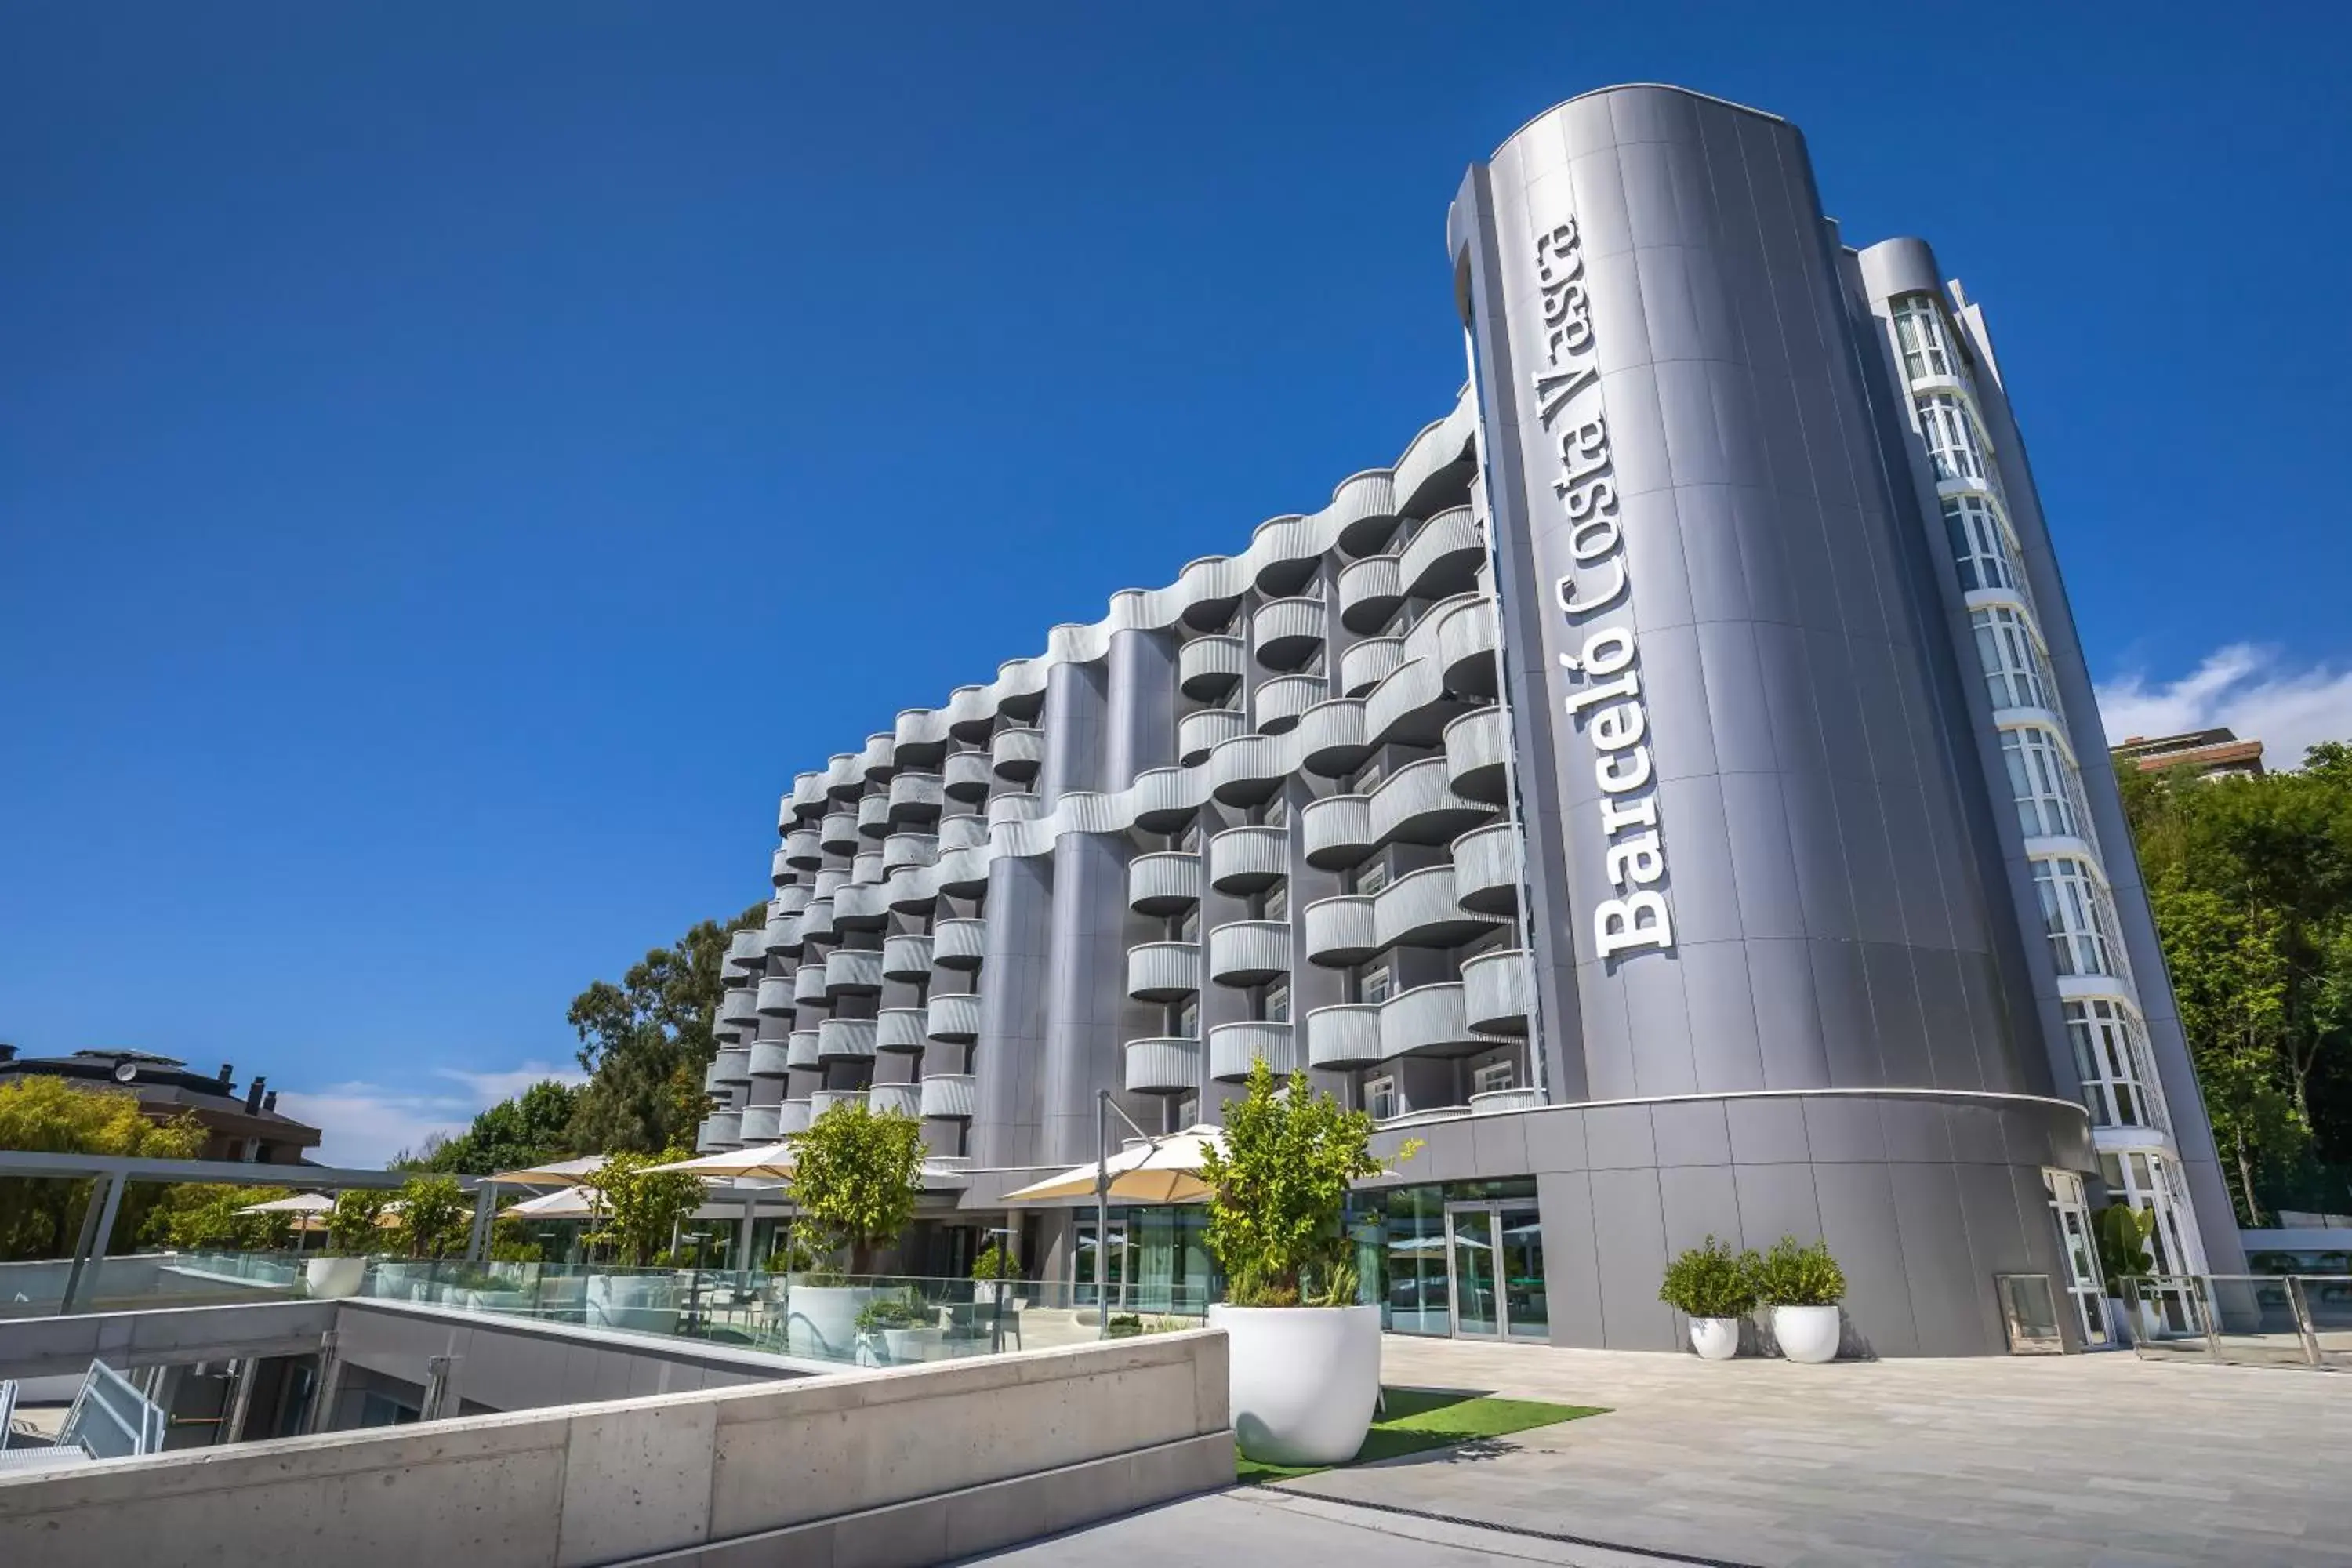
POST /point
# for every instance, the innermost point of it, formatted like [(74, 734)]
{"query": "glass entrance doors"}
[(1494, 1267), (1083, 1260)]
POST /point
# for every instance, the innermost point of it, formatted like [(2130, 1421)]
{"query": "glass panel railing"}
[(2247, 1320)]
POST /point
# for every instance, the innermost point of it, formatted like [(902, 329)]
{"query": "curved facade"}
[(1616, 789)]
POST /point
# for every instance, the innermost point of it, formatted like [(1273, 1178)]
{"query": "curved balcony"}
[(874, 815), (902, 1031), (780, 868), (1443, 558), (845, 1039), (1249, 952), (1487, 869), (824, 1099), (1416, 805), (1331, 739), (1499, 991), (878, 760), (817, 922), (704, 1141), (732, 1064), (865, 872), (1208, 667), (1282, 700), (1201, 732), (1014, 806), (1163, 971), (1345, 1035), (1365, 508), (744, 953), (955, 1019), (1469, 641), (1165, 882), (1017, 754), (783, 932), (865, 905), (907, 958), (1500, 1099), (803, 852), (739, 1006), (1287, 550), (1161, 800), (726, 1130), (1410, 707), (895, 1099), (950, 1095), (1366, 664), (1337, 831), (1428, 1021), (966, 778), (829, 883), (1369, 593), (770, 1058), (800, 1051), (1418, 910), (725, 1032), (1248, 772), (758, 1124), (958, 943), (913, 797), (922, 738), (1287, 632), (963, 830), (1339, 931), (793, 1117), (972, 714), (776, 996), (808, 982), (853, 971), (901, 850), (1477, 756), (838, 833), (1235, 1049), (1164, 1065), (1244, 861)]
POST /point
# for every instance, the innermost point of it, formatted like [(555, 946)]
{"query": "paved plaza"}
[(2100, 1460)]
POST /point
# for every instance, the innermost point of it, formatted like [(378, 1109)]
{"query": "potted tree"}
[(639, 1209), (433, 1218), (1803, 1286), (856, 1177), (1714, 1288), (1305, 1357), (341, 1269), (898, 1328), (990, 1272), (2122, 1233)]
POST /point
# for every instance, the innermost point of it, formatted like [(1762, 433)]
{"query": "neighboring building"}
[(2213, 754), (246, 1127), (1659, 790)]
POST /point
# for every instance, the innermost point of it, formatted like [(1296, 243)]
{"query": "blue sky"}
[(457, 463)]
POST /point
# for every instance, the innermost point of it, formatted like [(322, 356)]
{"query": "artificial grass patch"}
[(1422, 1418)]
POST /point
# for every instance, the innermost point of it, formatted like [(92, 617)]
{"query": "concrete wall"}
[(903, 1467)]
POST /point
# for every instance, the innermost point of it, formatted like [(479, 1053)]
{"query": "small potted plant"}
[(341, 1269), (856, 1177), (1714, 1288), (1803, 1286), (2122, 1233), (898, 1330), (990, 1271)]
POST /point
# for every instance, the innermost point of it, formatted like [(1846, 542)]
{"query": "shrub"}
[(856, 1177), (904, 1311), (1796, 1276), (2122, 1232), (994, 1263), (1710, 1280), (351, 1230), (641, 1206), (1278, 1184), (434, 1217)]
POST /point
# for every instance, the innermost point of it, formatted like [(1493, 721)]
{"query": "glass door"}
[(1526, 1314), (1471, 1262), (1084, 1271)]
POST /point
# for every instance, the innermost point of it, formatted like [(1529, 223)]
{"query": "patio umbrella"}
[(767, 1160), (563, 1203), (557, 1173), (1167, 1172), (300, 1204)]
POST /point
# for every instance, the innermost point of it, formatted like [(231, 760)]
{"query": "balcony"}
[(1165, 882), (1235, 1049), (1499, 991), (1017, 754), (874, 815), (955, 1019), (1337, 831), (817, 921), (1287, 632), (758, 1124), (895, 1099), (704, 1142), (1340, 931), (901, 850), (958, 943), (966, 777), (1442, 559), (732, 1065), (1344, 1036), (744, 954), (726, 1130), (782, 936), (1163, 971), (1370, 592), (963, 830), (1160, 800), (878, 760), (800, 1049), (780, 868), (838, 833), (950, 1095), (1164, 1065), (865, 872), (922, 738), (1468, 641), (801, 850), (914, 799), (1332, 741), (1418, 910), (1487, 869), (808, 982), (824, 1099), (1208, 667), (853, 971), (1499, 1099), (1366, 664), (902, 1031), (1416, 805), (844, 1039), (1410, 707), (739, 1006), (1016, 806), (830, 881), (1477, 756), (864, 905), (1282, 700), (1428, 1021), (971, 713), (793, 1117), (769, 1057), (1246, 861), (907, 958), (1249, 952), (1199, 734)]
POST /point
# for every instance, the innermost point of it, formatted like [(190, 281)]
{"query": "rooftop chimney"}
[(269, 1101), (227, 1074), (253, 1095), (7, 1053)]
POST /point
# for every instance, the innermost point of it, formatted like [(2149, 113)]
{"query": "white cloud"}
[(2249, 689), (366, 1125)]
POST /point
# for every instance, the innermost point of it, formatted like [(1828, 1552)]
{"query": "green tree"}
[(646, 1042), (1279, 1186), (352, 1230), (856, 1177), (533, 1127), (41, 1217), (204, 1214), (435, 1217), (641, 1208)]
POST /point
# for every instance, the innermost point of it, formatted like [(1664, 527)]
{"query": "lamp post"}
[(1103, 1109)]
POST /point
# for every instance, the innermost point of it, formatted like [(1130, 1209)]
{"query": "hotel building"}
[(1670, 791)]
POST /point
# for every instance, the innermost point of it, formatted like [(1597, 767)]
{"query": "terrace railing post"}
[(89, 1252), (2303, 1326)]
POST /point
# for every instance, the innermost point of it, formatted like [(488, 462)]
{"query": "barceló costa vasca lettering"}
[(1602, 682)]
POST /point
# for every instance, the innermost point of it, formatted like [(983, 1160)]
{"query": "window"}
[(1185, 927), (1185, 1019), (1375, 983), (1368, 780), (1274, 904), (1380, 1097), (2076, 915), (2016, 670), (2072, 1213), (1369, 877), (2111, 1058), (2152, 1183), (1919, 327), (1955, 446), (1273, 1005), (1274, 812), (1188, 1111), (1981, 548), (2044, 783), (1189, 840), (1494, 1077)]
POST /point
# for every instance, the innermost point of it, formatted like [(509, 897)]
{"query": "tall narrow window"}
[(1184, 1018), (1955, 446), (1981, 548), (1380, 1097), (2016, 670), (1274, 812), (1919, 327), (2044, 783), (1274, 904), (1369, 877), (2074, 915), (2111, 1056), (1275, 1007), (1375, 983)]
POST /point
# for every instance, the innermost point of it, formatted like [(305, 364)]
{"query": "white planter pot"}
[(403, 1281), (332, 1279), (822, 1320), (1714, 1338), (904, 1347), (1806, 1334), (644, 1303), (2119, 1324), (984, 1291), (1304, 1380)]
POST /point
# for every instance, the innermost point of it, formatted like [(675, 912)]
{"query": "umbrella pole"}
[(1102, 1213)]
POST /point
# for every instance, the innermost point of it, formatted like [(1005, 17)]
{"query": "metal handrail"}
[(2257, 1319)]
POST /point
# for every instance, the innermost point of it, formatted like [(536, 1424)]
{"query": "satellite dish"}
[(125, 1071)]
